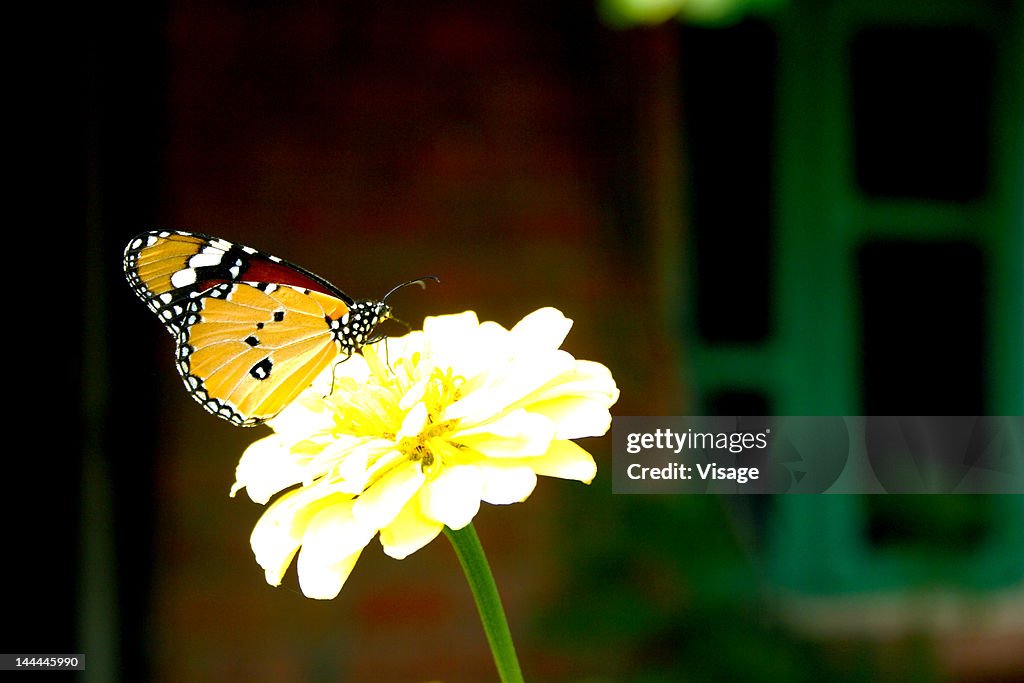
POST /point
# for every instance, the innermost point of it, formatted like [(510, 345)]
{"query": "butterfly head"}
[(367, 315), (378, 312)]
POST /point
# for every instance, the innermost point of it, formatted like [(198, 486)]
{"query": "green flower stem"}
[(488, 602)]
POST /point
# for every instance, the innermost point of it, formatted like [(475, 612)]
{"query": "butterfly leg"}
[(334, 369)]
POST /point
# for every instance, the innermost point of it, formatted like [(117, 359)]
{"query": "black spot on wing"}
[(261, 370)]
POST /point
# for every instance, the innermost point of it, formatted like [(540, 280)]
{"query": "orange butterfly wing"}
[(249, 354), (246, 347)]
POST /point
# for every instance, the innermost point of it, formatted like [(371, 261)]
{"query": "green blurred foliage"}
[(625, 13), (665, 588)]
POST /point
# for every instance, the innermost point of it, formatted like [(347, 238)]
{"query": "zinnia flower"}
[(413, 434)]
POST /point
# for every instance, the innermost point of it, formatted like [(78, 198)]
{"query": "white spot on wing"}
[(184, 278), (204, 259)]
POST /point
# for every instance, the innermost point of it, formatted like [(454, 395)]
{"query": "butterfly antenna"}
[(422, 282)]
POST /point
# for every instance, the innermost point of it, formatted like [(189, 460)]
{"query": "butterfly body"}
[(252, 331)]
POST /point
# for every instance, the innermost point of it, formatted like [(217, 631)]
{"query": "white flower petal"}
[(274, 550), (333, 533), (331, 545), (585, 379), (577, 401), (414, 423), (495, 343), (324, 581), (504, 484), (516, 435), (266, 467), (354, 368), (409, 531), (545, 328), (507, 385), (386, 497), (574, 418), (457, 342), (306, 415), (453, 497), (278, 533), (565, 460), (413, 396), (449, 330), (348, 458)]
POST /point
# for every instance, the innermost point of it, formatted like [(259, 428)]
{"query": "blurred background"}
[(793, 207)]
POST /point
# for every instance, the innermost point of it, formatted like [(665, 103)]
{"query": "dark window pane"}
[(923, 324), (728, 81), (921, 99)]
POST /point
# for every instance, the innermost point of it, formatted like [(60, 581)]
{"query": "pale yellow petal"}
[(449, 330), (586, 379), (453, 497), (508, 385), (506, 484), (516, 435), (278, 533), (491, 345), (376, 359), (414, 423), (577, 401), (409, 531), (458, 342), (545, 328), (266, 467), (356, 466), (565, 460), (334, 533), (355, 368), (347, 458), (324, 581), (331, 544), (574, 417), (275, 539), (386, 497), (306, 415), (396, 355), (413, 395)]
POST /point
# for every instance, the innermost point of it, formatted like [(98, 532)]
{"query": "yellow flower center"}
[(442, 389)]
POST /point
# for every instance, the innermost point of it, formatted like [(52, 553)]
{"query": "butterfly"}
[(252, 331)]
